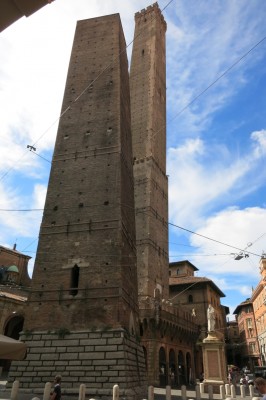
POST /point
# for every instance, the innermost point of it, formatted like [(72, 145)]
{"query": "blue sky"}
[(216, 138)]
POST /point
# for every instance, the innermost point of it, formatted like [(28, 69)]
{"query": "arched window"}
[(190, 298), (74, 283)]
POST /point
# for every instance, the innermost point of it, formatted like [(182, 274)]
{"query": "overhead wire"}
[(113, 63), (192, 101), (218, 78), (182, 110), (39, 155), (169, 223), (214, 240), (128, 256)]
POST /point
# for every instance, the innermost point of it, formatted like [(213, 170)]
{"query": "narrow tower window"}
[(74, 283), (190, 298)]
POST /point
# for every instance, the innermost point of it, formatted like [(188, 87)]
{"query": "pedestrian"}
[(56, 394), (260, 385)]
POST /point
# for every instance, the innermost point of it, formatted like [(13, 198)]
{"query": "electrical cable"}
[(103, 70), (214, 240), (217, 79), (178, 294), (113, 63), (86, 88), (45, 159), (169, 223)]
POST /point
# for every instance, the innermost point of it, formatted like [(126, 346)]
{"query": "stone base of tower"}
[(98, 359)]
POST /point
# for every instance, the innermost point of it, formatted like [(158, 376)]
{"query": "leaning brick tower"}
[(82, 318), (148, 116)]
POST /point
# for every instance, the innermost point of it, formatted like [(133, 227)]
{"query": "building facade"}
[(14, 287), (233, 344), (258, 299), (193, 294), (250, 356)]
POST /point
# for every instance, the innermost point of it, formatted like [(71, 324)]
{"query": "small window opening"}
[(74, 283), (190, 298)]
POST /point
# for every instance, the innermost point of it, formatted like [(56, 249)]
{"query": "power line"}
[(195, 98), (219, 78), (113, 63), (37, 154), (198, 255), (178, 294), (169, 223), (25, 248), (214, 240), (83, 91)]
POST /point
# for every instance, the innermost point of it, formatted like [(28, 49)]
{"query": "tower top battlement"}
[(152, 9)]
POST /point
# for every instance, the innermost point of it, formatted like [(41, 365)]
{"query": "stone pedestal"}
[(214, 363)]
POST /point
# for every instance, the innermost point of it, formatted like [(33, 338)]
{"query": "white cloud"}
[(194, 186), (20, 223), (240, 229), (259, 138), (203, 42), (39, 196), (203, 177), (246, 291)]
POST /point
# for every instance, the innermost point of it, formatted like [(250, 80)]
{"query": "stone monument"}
[(213, 349)]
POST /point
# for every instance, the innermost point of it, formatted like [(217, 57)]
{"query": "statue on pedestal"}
[(211, 318)]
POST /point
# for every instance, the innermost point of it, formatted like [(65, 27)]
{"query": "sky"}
[(216, 128)]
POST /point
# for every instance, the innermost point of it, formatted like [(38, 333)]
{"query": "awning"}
[(11, 349)]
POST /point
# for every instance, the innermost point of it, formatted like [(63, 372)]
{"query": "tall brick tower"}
[(148, 116), (82, 317)]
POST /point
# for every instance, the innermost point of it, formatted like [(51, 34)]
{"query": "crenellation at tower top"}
[(154, 11)]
